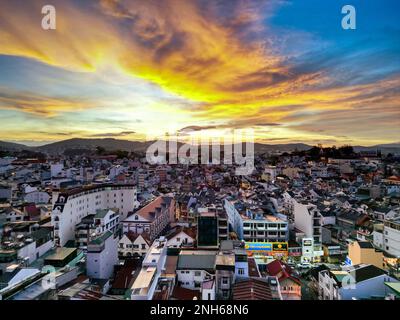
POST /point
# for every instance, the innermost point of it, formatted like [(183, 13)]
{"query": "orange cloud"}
[(189, 50)]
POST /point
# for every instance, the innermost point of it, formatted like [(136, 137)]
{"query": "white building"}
[(116, 170), (181, 237), (308, 219), (389, 238), (56, 169), (153, 264), (152, 218), (134, 245), (37, 197), (102, 256), (252, 225), (270, 173), (106, 220), (5, 193), (70, 207), (355, 282), (195, 267)]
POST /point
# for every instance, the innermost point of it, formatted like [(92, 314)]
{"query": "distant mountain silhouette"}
[(111, 144)]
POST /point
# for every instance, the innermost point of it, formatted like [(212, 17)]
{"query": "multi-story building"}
[(356, 282), (37, 197), (152, 218), (107, 220), (134, 245), (308, 219), (102, 256), (5, 193), (92, 226), (153, 263), (224, 274), (364, 252), (71, 206), (195, 267), (252, 225), (391, 237), (212, 227)]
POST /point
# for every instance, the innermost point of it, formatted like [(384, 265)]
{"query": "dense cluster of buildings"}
[(102, 227)]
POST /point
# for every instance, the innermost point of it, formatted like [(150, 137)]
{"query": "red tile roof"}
[(281, 271), (123, 278), (154, 208), (181, 293), (253, 270), (252, 289)]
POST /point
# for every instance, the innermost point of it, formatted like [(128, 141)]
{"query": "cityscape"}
[(199, 151)]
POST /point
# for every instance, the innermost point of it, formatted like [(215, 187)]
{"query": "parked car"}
[(305, 265)]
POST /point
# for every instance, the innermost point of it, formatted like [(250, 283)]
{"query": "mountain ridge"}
[(141, 146)]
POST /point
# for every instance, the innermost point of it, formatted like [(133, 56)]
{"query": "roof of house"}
[(253, 270), (171, 264), (365, 244), (281, 271), (395, 286), (368, 272), (360, 272), (196, 260), (208, 284), (314, 272), (124, 278), (191, 232), (101, 213), (133, 236), (154, 208), (252, 289), (181, 293), (102, 238)]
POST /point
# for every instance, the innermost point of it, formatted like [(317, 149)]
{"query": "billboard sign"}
[(269, 248)]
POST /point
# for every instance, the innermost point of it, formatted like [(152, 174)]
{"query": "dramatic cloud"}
[(112, 134), (198, 65)]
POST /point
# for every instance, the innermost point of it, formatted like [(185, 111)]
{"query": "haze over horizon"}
[(133, 70)]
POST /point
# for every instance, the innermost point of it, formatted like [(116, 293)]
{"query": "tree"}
[(100, 150)]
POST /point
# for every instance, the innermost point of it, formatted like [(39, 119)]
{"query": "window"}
[(241, 271), (224, 280), (197, 273)]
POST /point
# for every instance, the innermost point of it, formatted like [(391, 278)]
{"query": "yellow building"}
[(364, 252)]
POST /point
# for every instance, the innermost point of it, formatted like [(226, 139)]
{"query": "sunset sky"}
[(133, 70)]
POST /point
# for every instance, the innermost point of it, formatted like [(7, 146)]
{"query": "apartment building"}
[(308, 220), (134, 245), (252, 225), (102, 256), (146, 282), (391, 237), (212, 228), (364, 252), (195, 267), (356, 282), (152, 218), (71, 206)]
